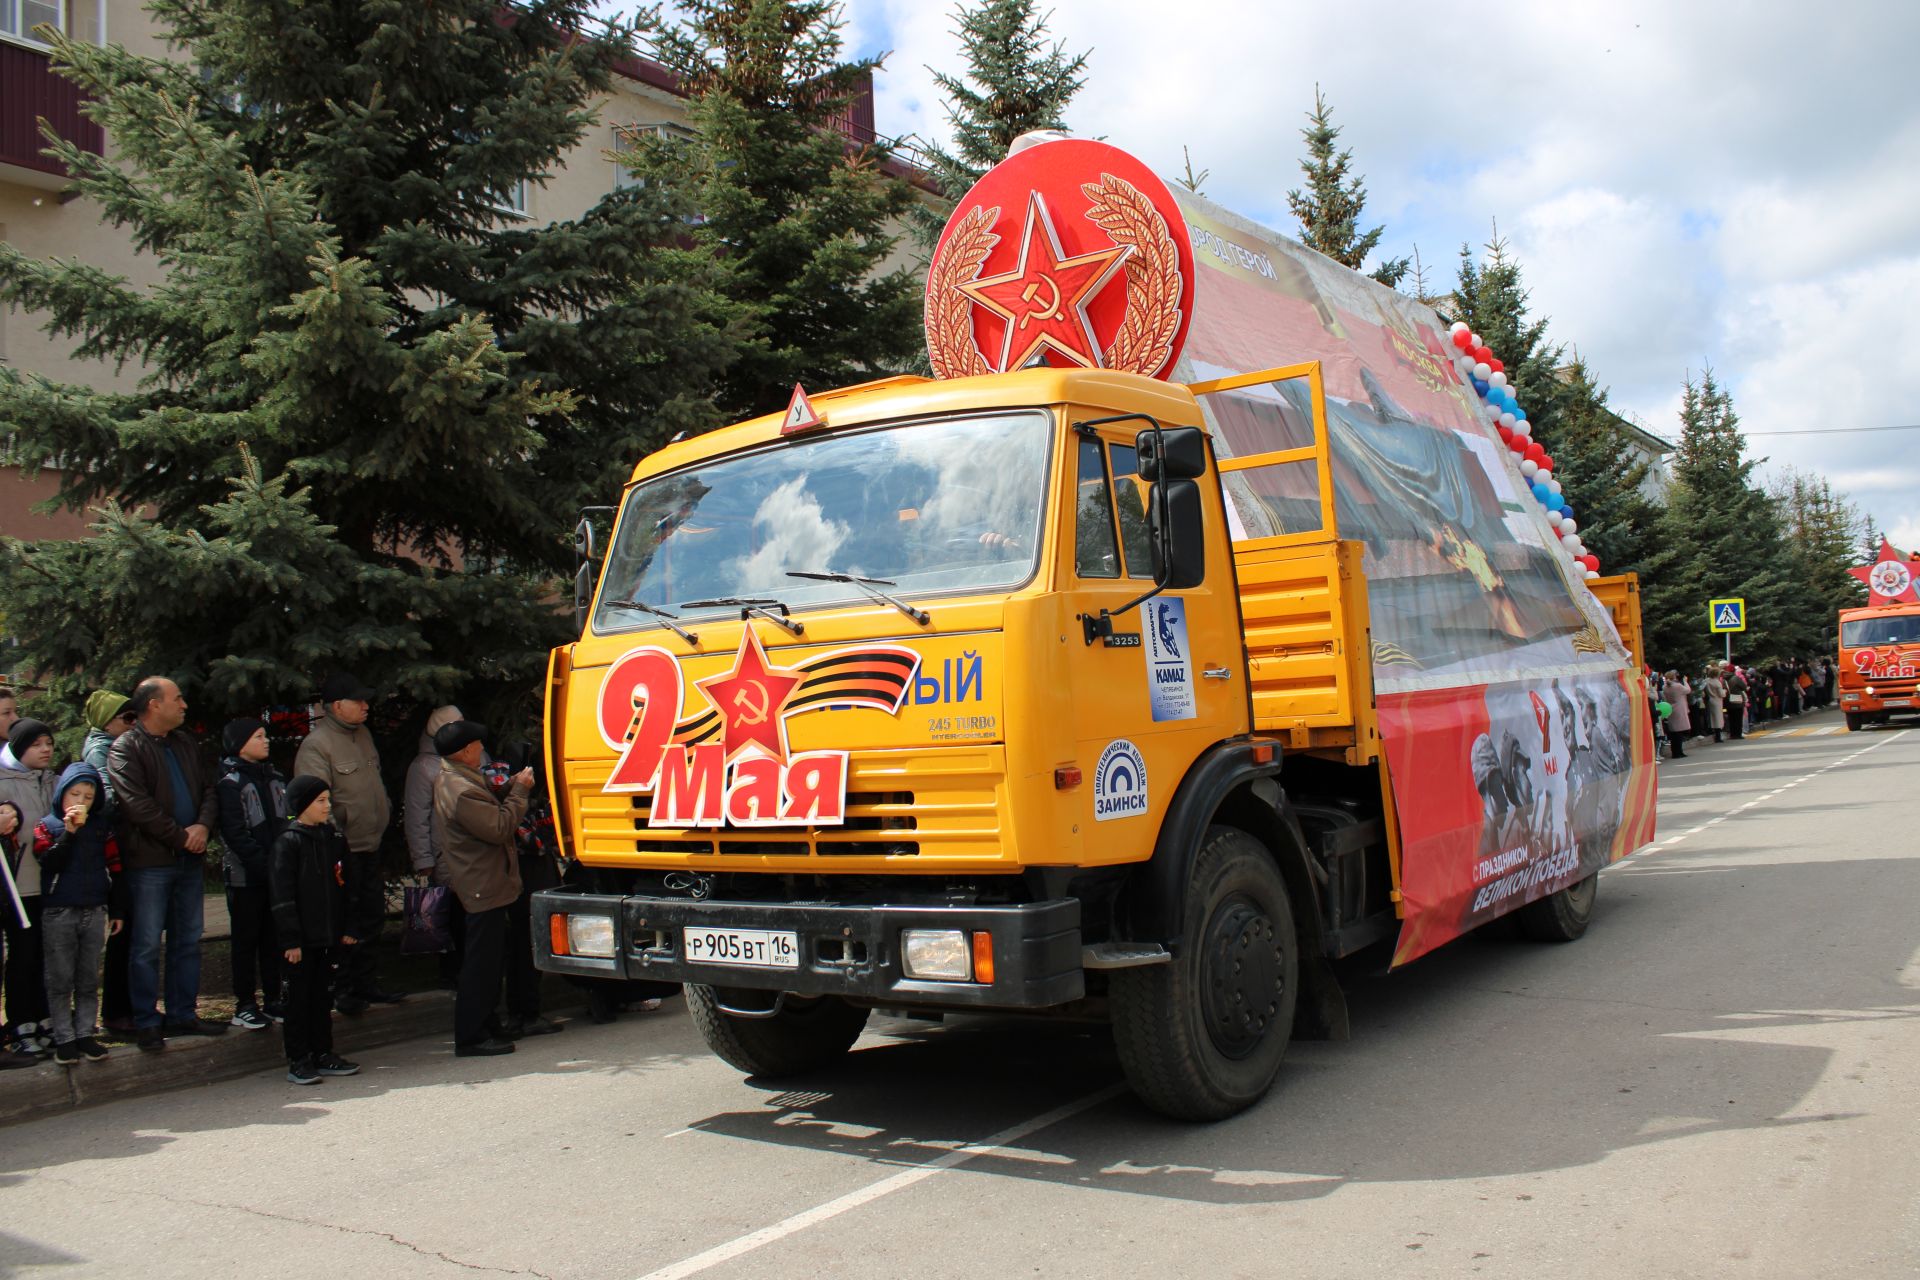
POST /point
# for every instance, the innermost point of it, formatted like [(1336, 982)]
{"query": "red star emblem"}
[(1043, 301), (1890, 579), (752, 700)]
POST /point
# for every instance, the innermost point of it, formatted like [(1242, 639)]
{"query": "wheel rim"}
[(1244, 976), (1581, 893)]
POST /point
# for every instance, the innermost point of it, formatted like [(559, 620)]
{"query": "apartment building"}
[(43, 217)]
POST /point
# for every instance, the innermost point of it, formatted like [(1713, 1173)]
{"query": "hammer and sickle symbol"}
[(751, 713), (1032, 291)]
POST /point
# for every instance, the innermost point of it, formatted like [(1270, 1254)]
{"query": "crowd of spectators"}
[(106, 867), (1726, 699)]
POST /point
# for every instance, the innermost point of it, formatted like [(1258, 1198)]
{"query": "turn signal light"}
[(557, 935), (983, 958)]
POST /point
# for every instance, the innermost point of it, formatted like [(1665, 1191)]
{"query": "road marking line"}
[(886, 1186), (1670, 841)]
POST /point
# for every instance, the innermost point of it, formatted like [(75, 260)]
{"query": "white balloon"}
[(1592, 573), (1573, 526), (1528, 467), (1458, 326), (1491, 410), (1554, 485), (1476, 341), (1522, 428), (1507, 419), (1482, 371), (1499, 378)]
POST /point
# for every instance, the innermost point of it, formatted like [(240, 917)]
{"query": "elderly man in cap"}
[(340, 752), (479, 861)]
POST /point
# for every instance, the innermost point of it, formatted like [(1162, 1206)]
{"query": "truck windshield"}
[(1899, 628), (933, 506)]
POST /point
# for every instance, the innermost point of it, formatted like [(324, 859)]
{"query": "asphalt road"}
[(1722, 1079)]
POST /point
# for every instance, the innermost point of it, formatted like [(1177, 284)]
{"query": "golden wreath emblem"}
[(1144, 340)]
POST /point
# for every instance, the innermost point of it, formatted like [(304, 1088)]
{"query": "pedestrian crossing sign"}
[(1727, 615)]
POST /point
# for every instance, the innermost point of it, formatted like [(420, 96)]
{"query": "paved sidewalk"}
[(35, 1092)]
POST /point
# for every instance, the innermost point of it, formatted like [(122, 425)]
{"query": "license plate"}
[(1898, 702), (744, 948)]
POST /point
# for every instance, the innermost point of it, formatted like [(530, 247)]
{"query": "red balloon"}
[(1546, 461), (1463, 339), (1534, 450), (1496, 366), (1506, 437), (1591, 560), (1484, 355)]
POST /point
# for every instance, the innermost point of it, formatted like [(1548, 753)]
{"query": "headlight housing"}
[(591, 936)]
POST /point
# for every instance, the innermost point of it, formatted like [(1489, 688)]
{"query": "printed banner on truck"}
[(1515, 732), (1507, 793)]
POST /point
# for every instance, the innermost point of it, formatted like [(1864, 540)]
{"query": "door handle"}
[(1216, 673)]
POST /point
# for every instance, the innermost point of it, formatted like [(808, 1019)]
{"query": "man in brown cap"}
[(480, 863)]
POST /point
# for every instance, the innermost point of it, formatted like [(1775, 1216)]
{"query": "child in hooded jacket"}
[(83, 901), (307, 870), (253, 807)]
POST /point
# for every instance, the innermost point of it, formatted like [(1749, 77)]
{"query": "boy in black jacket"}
[(308, 873), (79, 881), (252, 814)]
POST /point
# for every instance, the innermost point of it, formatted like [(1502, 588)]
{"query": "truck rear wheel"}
[(1201, 1037), (1562, 916), (806, 1032)]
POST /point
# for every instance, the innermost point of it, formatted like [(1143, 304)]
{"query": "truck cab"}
[(1879, 663)]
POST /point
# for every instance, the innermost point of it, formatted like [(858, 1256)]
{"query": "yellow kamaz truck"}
[(1080, 691)]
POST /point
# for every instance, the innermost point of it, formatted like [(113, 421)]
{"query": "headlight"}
[(590, 936), (1849, 697), (938, 955), (1869, 691)]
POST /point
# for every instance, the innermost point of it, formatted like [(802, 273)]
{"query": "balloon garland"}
[(1488, 377)]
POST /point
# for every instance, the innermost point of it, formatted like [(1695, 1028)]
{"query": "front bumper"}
[(845, 950)]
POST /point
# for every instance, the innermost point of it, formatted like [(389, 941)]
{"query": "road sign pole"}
[(1728, 636)]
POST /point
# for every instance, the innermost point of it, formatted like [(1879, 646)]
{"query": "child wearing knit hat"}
[(308, 874)]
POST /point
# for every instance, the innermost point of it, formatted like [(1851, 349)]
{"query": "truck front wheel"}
[(1201, 1037), (806, 1032), (1854, 721)]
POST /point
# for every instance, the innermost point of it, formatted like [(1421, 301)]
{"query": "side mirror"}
[(1177, 533), (1171, 453), (582, 594), (583, 539)]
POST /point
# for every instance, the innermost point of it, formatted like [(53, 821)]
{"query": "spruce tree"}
[(1602, 481), (1015, 82), (371, 398), (1491, 297), (1727, 540), (799, 217), (1330, 208), (1823, 531)]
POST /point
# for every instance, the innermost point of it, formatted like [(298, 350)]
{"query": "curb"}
[(48, 1090)]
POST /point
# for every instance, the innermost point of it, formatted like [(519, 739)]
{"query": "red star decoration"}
[(1044, 301), (752, 700), (1899, 583)]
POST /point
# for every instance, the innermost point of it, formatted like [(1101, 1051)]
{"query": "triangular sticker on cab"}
[(800, 413)]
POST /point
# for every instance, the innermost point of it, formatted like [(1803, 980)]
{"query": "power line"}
[(1833, 431)]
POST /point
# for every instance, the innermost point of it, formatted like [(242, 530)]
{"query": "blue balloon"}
[(1541, 492), (1519, 414), (1566, 510), (1559, 504), (1480, 388)]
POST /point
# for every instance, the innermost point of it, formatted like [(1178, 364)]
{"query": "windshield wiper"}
[(752, 606), (870, 587), (666, 619)]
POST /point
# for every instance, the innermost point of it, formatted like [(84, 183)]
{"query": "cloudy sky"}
[(1733, 184)]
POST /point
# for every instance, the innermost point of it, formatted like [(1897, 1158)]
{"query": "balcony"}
[(29, 93)]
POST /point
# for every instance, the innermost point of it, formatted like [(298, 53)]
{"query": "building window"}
[(81, 19), (627, 136), (513, 200)]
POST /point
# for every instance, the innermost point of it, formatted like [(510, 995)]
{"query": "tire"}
[(1853, 722), (1201, 1037), (808, 1032), (1562, 916)]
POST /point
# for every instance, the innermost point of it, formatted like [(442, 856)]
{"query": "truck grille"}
[(935, 806)]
